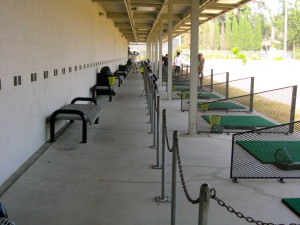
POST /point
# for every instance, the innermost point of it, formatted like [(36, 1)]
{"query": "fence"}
[(248, 112), (224, 90), (267, 153)]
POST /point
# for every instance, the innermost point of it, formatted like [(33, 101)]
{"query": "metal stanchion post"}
[(163, 198), (174, 180), (157, 131), (203, 204), (153, 123)]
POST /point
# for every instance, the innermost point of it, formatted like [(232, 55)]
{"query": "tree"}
[(242, 32), (257, 39), (223, 38), (234, 33), (248, 35), (211, 34), (228, 32), (216, 43)]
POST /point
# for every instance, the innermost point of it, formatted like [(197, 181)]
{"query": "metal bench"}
[(88, 113)]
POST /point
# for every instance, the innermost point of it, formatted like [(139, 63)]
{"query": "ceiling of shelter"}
[(139, 20)]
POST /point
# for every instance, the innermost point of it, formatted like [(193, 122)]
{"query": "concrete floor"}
[(109, 180)]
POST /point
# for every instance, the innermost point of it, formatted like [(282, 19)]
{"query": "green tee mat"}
[(264, 150), (202, 96), (293, 204), (221, 105), (242, 121), (184, 88)]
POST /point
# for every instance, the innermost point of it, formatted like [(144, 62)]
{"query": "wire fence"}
[(248, 112), (223, 90)]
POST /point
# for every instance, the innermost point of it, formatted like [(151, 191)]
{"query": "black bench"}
[(88, 113), (102, 88)]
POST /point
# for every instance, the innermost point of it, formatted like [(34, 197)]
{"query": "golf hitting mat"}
[(293, 204), (218, 105), (265, 151)]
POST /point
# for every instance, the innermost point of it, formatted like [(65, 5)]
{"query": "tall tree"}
[(235, 33), (216, 42), (223, 38), (242, 32), (257, 39), (248, 35), (228, 31), (211, 34)]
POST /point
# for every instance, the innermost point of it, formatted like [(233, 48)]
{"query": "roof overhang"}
[(138, 20)]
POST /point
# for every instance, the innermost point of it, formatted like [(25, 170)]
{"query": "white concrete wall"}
[(43, 35)]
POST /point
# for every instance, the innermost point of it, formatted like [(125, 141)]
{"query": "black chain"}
[(196, 201), (213, 195), (166, 132)]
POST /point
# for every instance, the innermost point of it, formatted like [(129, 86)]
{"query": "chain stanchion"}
[(203, 204), (163, 198), (153, 123), (174, 180), (150, 104), (157, 131)]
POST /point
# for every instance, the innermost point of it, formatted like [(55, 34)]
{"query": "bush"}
[(279, 58)]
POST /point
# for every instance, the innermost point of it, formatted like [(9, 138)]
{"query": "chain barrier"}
[(166, 132), (193, 201), (213, 195)]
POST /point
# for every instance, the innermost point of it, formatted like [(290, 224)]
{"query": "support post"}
[(204, 204), (194, 67), (160, 66), (227, 85), (211, 80), (170, 46), (174, 181), (251, 95), (293, 108), (156, 53)]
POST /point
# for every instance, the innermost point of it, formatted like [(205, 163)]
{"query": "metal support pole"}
[(157, 131), (204, 204), (170, 46), (211, 80), (156, 53), (227, 85), (187, 71), (251, 95), (154, 117), (293, 108), (192, 126), (160, 66), (174, 182)]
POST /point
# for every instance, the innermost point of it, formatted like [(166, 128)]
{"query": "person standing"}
[(177, 64), (201, 62), (134, 61)]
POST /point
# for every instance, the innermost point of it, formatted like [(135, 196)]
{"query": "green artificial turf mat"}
[(242, 121), (202, 96), (293, 204), (221, 105), (264, 150)]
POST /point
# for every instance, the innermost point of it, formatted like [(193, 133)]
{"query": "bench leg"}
[(84, 132), (52, 131), (119, 82), (97, 120)]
